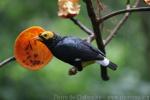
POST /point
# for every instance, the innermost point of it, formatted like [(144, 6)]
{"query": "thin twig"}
[(100, 5), (120, 23), (136, 3), (123, 11), (97, 32), (91, 36), (83, 27), (118, 26), (6, 61)]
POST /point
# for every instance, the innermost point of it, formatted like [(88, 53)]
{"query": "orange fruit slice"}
[(29, 52), (68, 8)]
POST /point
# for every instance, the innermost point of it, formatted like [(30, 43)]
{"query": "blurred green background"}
[(130, 49)]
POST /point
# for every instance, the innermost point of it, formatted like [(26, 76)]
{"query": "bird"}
[(74, 51)]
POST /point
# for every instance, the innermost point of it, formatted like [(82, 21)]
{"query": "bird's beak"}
[(38, 38)]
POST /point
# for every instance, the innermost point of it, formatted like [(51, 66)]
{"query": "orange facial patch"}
[(29, 52)]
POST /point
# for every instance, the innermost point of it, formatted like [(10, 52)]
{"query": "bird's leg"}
[(76, 68), (78, 64), (80, 68)]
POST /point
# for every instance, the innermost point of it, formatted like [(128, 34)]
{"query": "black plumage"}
[(73, 50)]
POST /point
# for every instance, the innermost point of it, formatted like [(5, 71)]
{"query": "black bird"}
[(74, 51)]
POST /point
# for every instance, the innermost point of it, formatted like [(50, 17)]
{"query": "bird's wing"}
[(71, 48), (93, 48)]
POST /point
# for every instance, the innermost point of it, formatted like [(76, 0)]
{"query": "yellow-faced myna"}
[(74, 51)]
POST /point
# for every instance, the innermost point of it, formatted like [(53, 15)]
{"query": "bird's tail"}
[(107, 63)]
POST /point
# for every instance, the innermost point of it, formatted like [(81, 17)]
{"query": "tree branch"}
[(99, 5), (97, 32), (120, 23), (136, 3), (123, 11), (6, 61), (91, 36), (82, 27), (118, 26)]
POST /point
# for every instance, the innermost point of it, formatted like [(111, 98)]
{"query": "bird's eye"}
[(45, 35)]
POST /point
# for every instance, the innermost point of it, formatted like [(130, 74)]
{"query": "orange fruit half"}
[(29, 52)]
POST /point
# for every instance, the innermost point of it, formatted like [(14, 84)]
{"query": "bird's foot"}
[(72, 71)]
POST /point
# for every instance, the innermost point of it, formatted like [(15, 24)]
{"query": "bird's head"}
[(45, 36), (48, 38)]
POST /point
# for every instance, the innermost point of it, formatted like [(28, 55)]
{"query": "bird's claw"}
[(72, 71)]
